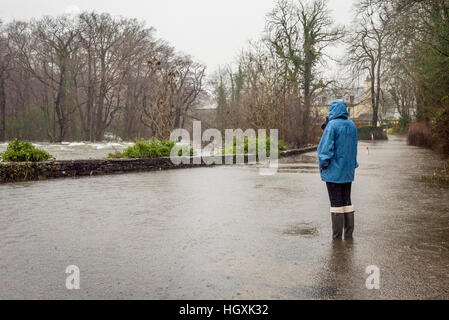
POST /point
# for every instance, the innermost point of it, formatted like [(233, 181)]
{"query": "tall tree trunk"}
[(99, 122), (309, 58), (2, 109), (307, 105), (379, 63), (373, 94), (59, 101), (90, 101), (177, 117)]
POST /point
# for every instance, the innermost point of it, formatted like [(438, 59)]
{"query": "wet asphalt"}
[(229, 233)]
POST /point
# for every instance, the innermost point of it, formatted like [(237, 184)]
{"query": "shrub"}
[(420, 135), (440, 128), (22, 151), (150, 149), (232, 149), (116, 155), (404, 124), (365, 133), (387, 124), (401, 127)]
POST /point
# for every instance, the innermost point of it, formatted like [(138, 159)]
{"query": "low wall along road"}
[(29, 171)]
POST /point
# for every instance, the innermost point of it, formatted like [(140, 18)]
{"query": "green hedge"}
[(150, 149), (232, 149), (23, 151), (440, 129), (398, 127), (366, 131)]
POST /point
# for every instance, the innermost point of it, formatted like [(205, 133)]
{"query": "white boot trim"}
[(338, 210)]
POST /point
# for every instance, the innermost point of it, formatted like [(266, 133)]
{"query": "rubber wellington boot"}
[(349, 225), (337, 225)]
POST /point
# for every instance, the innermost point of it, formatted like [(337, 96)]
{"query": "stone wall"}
[(295, 152), (23, 171), (32, 171)]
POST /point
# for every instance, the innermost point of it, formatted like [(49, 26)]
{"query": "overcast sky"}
[(212, 31)]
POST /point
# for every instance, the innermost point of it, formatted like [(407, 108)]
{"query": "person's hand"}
[(325, 123)]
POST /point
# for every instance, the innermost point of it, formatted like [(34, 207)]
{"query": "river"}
[(228, 232), (78, 150)]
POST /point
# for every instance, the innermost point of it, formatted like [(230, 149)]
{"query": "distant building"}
[(358, 101)]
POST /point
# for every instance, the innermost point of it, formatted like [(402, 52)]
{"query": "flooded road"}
[(229, 233)]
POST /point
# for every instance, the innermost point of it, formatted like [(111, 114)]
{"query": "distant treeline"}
[(415, 59), (79, 77), (76, 78), (277, 80), (400, 46)]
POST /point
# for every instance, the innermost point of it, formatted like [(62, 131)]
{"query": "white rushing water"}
[(78, 150)]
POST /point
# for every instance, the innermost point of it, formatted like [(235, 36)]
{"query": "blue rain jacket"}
[(337, 152)]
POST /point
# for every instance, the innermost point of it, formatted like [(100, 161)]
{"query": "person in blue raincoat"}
[(337, 154)]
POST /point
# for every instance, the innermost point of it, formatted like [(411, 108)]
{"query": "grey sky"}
[(212, 31)]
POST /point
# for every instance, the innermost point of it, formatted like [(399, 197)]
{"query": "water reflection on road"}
[(229, 233)]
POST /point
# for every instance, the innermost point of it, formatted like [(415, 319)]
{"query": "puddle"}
[(304, 230)]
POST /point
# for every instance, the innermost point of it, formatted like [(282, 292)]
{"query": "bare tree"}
[(46, 48), (111, 47), (300, 32), (5, 61), (75, 77), (175, 83), (368, 51)]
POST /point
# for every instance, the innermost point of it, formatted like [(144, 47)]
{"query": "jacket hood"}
[(337, 110)]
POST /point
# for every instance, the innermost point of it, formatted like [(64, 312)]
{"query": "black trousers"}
[(339, 194)]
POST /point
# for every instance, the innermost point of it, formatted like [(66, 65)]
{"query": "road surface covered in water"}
[(229, 233)]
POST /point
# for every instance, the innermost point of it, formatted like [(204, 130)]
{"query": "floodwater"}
[(78, 150), (229, 233)]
